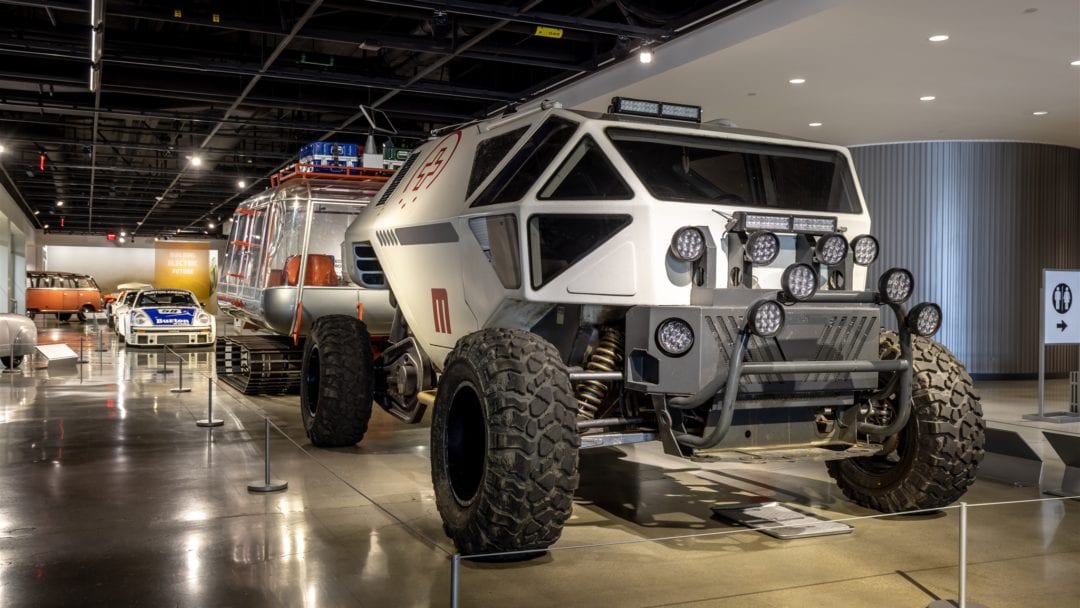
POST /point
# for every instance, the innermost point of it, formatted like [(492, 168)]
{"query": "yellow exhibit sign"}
[(548, 32), (183, 265)]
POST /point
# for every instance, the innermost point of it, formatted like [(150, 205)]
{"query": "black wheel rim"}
[(466, 444), (311, 381), (888, 466)]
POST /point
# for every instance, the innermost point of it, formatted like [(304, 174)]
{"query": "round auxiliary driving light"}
[(675, 337), (799, 281), (766, 318), (924, 319), (762, 248), (896, 285), (865, 248), (688, 244), (831, 249)]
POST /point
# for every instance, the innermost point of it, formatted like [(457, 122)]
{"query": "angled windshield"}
[(164, 298), (687, 168)]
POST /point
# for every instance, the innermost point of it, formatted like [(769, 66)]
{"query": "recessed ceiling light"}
[(645, 56), (196, 160), (2, 148), (1074, 63), (938, 38), (927, 98), (1039, 113), (797, 81), (36, 212), (815, 124), (241, 184)]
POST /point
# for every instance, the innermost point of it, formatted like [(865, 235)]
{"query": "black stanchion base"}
[(275, 485), (208, 423), (180, 390)]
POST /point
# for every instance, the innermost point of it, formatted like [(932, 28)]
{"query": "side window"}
[(587, 174), (489, 153), (525, 167), (85, 283), (66, 282)]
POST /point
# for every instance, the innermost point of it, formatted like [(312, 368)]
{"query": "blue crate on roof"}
[(329, 157)]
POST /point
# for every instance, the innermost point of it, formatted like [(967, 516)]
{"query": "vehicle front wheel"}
[(336, 382), (933, 460), (504, 443), (12, 362)]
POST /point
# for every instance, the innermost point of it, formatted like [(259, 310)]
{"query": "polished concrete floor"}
[(111, 496)]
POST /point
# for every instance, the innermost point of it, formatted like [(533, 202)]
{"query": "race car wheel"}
[(933, 460), (504, 443), (12, 362), (335, 392)]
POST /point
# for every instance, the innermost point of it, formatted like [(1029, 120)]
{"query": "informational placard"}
[(1061, 313)]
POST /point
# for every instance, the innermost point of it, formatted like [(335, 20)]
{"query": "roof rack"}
[(308, 171)]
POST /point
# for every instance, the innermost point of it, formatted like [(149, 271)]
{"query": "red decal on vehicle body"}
[(433, 164), (440, 308)]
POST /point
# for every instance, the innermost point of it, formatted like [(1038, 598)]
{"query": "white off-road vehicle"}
[(566, 280)]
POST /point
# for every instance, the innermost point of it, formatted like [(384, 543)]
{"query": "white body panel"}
[(18, 334), (632, 268)]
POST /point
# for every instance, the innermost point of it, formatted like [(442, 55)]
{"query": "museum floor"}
[(111, 496)]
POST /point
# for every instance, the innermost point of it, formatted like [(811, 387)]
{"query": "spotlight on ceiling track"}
[(196, 160), (645, 55), (241, 184), (2, 148)]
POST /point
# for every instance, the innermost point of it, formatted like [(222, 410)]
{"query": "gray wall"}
[(976, 222)]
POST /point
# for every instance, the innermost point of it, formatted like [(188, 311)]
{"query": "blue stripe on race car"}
[(167, 315)]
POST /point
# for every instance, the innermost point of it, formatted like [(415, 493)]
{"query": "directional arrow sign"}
[(1061, 316)]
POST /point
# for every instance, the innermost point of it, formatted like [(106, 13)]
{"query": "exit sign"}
[(110, 236)]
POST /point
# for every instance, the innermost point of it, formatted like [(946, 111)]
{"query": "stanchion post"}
[(210, 421), (269, 485), (82, 358), (165, 362), (180, 388), (455, 576), (961, 586)]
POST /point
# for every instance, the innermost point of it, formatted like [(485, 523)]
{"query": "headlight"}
[(896, 285), (799, 281), (766, 318), (202, 318), (925, 319), (140, 318), (831, 249), (762, 248), (865, 248), (674, 337), (688, 244)]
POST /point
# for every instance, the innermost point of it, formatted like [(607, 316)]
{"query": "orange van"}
[(61, 293)]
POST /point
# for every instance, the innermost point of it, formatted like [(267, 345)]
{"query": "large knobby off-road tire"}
[(504, 443), (336, 382), (937, 454)]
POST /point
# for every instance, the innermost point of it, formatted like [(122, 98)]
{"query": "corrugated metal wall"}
[(976, 222)]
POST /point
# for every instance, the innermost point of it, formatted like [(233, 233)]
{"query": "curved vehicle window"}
[(694, 169), (129, 298), (164, 298), (587, 174), (85, 283), (525, 167)]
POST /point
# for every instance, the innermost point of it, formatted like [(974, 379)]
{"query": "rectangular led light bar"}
[(746, 222), (655, 109)]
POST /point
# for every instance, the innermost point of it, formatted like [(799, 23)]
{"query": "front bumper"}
[(827, 347), (171, 336)]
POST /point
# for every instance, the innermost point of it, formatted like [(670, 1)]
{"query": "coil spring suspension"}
[(606, 356)]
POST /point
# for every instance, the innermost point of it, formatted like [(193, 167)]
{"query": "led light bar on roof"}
[(655, 109), (747, 222)]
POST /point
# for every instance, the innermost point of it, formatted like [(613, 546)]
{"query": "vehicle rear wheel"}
[(84, 311), (336, 382), (12, 362), (504, 443), (935, 457)]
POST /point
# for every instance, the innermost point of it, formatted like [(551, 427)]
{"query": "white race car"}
[(18, 335), (161, 317), (118, 311)]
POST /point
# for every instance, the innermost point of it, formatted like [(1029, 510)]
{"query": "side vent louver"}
[(368, 269), (396, 180)]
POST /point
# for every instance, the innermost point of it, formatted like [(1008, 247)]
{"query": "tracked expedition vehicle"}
[(565, 280), (293, 229)]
